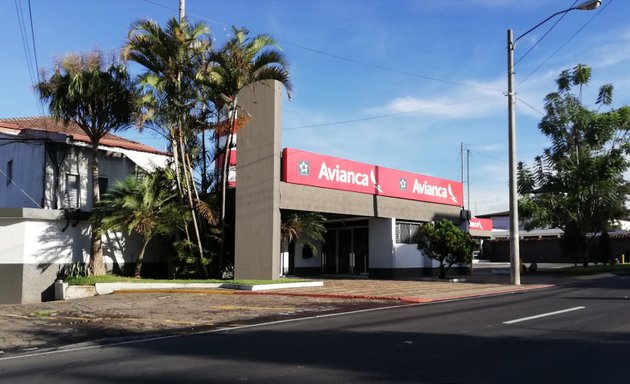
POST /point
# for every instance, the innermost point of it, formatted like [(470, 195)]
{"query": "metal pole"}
[(468, 177), (461, 154), (515, 264)]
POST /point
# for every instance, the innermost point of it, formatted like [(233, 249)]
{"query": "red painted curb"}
[(408, 299)]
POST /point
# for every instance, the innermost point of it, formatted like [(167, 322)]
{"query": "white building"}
[(45, 200)]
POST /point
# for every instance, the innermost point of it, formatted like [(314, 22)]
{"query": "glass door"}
[(329, 260), (344, 248)]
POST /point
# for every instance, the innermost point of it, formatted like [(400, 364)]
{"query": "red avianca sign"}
[(307, 168)]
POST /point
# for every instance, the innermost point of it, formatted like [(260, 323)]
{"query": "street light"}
[(515, 271)]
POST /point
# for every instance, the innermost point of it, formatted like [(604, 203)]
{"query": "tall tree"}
[(97, 94), (242, 61), (147, 206), (172, 57), (578, 183)]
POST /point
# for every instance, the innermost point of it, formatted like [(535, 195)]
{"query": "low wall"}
[(545, 250), (36, 244)]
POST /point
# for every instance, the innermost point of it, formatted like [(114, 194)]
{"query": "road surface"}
[(577, 334)]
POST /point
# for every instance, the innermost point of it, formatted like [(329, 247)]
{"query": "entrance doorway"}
[(346, 251)]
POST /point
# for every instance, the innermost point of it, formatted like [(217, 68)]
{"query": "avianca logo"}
[(433, 190), (476, 225), (343, 176)]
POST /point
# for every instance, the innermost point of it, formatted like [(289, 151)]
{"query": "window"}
[(9, 171), (72, 191), (407, 233), (103, 185)]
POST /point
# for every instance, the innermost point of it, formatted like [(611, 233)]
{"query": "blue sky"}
[(397, 83)]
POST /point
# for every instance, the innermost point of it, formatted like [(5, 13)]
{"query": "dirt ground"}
[(123, 316)]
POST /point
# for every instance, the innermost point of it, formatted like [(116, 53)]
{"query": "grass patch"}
[(590, 270), (91, 280)]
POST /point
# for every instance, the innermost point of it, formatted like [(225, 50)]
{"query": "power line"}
[(545, 34), (568, 40), (383, 68), (25, 44), (21, 190), (533, 108), (351, 60), (384, 116), (467, 146), (30, 16)]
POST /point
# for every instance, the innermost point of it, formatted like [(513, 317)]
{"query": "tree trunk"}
[(191, 204), (96, 265), (138, 268), (224, 177), (442, 271)]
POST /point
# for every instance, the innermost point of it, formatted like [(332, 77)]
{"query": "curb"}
[(405, 299), (63, 291)]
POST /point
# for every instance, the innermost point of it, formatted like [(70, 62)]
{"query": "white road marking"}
[(543, 315), (95, 344)]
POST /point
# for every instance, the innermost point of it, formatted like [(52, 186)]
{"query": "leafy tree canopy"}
[(444, 242), (578, 183)]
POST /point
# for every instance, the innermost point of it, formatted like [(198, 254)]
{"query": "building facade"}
[(373, 212), (46, 199)]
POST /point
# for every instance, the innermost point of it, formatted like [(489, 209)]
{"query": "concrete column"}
[(257, 236)]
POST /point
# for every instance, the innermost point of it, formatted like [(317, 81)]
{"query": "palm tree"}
[(242, 61), (98, 95), (146, 206), (172, 57)]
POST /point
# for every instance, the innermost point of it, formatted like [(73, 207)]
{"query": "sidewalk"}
[(127, 315)]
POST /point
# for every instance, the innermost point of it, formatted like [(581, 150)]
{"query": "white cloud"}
[(477, 100)]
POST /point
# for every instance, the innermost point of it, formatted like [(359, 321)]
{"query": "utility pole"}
[(461, 156), (468, 177), (182, 10)]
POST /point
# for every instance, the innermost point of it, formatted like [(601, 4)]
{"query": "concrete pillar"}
[(257, 236)]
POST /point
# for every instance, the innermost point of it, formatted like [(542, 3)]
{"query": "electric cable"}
[(533, 108), (25, 44), (21, 190), (30, 16), (568, 40), (545, 34), (351, 60), (384, 116)]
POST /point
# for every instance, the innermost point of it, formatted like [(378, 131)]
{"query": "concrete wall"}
[(545, 250), (307, 198), (391, 260), (257, 232), (307, 266), (381, 242), (35, 244)]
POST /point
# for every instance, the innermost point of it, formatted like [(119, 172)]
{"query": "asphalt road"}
[(566, 335)]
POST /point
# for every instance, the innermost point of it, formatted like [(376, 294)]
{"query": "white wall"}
[(113, 166), (408, 256), (381, 242), (312, 262), (36, 243), (385, 253), (51, 239)]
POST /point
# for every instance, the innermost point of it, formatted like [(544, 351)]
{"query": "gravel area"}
[(116, 317)]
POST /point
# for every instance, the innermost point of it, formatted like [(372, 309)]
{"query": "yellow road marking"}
[(176, 290), (251, 308)]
